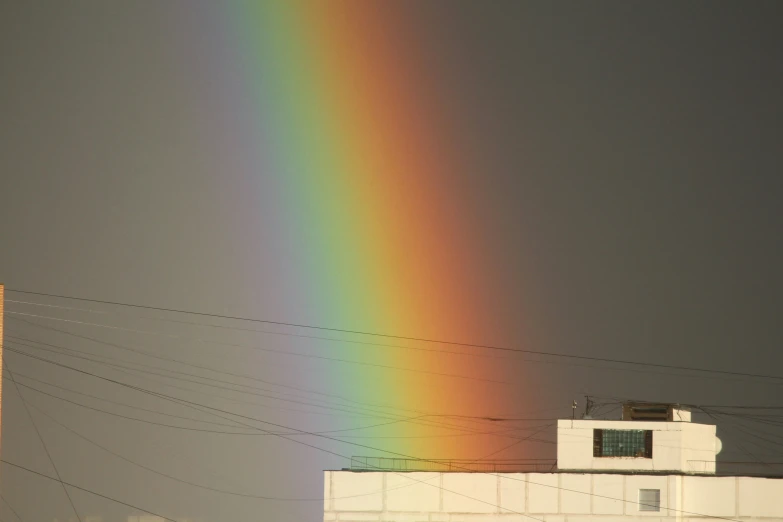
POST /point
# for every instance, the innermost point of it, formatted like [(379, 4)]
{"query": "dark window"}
[(622, 443)]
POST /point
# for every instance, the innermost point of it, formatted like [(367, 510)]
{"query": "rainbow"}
[(354, 129)]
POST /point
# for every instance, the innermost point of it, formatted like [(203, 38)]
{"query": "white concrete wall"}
[(699, 447), (549, 497), (677, 446)]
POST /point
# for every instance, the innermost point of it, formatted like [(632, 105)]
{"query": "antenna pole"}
[(588, 406)]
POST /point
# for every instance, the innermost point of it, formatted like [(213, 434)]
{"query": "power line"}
[(195, 405), (622, 400), (171, 477), (742, 407), (744, 450), (87, 490), (750, 433), (346, 341), (685, 368), (406, 338), (155, 356), (157, 412), (117, 367), (395, 417), (246, 376), (265, 332), (773, 421), (416, 419), (198, 408), (196, 366), (421, 413), (503, 433), (11, 508), (251, 433), (202, 407), (151, 370), (377, 413), (271, 350), (200, 486), (504, 448), (395, 420), (51, 460), (167, 359), (299, 442), (196, 485), (186, 428), (258, 420), (142, 352)]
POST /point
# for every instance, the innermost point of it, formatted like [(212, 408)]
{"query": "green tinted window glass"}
[(623, 443)]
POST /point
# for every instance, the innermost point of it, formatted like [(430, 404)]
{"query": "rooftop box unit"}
[(650, 412)]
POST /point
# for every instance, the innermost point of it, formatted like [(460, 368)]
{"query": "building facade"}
[(639, 468)]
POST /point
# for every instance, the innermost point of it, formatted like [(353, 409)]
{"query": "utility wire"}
[(757, 436), (177, 361), (348, 341), (59, 350), (207, 368), (185, 428), (253, 432), (365, 409), (152, 370), (477, 433), (117, 403), (403, 337), (86, 490), (11, 508), (159, 412), (271, 350), (170, 477), (193, 484), (686, 368), (740, 407), (420, 414), (217, 380), (504, 433), (265, 332), (51, 460), (202, 407), (742, 447), (504, 448), (170, 359), (273, 383)]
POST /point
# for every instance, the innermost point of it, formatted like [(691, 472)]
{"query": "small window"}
[(649, 500), (622, 443)]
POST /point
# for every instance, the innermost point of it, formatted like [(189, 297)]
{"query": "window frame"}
[(649, 506), (598, 445)]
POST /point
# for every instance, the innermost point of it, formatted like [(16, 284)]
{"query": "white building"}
[(654, 463)]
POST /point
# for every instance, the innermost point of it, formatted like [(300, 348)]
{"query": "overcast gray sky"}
[(621, 177)]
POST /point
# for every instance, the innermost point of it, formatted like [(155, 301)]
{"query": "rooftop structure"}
[(654, 438), (654, 462)]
